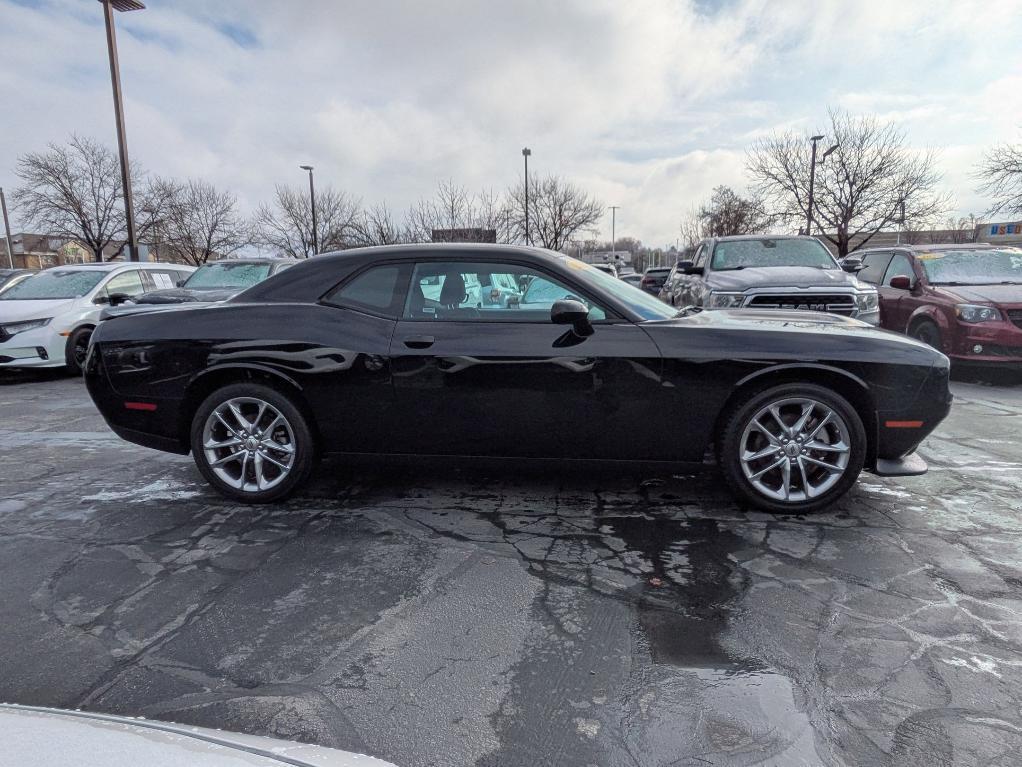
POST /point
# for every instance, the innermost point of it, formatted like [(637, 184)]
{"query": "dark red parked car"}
[(965, 300)]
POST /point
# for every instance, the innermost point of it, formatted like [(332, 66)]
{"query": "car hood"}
[(982, 294), (770, 334), (781, 277), (187, 295), (45, 737), (33, 309)]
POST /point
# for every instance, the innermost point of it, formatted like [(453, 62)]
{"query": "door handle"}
[(419, 342)]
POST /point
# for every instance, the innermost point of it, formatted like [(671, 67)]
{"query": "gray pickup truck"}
[(768, 272)]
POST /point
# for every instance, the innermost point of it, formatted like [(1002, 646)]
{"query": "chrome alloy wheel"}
[(795, 449), (249, 444)]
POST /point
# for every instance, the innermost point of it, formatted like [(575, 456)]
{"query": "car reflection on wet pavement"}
[(521, 617)]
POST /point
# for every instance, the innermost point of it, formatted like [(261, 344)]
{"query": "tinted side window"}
[(125, 283), (378, 290), (487, 292), (900, 267), (875, 266)]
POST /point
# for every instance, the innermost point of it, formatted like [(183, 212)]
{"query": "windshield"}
[(227, 275), (639, 301), (973, 267), (54, 283), (739, 254)]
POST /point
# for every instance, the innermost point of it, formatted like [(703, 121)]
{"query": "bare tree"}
[(1001, 174), (454, 207), (557, 210), (286, 225), (200, 222), (727, 213), (74, 191), (376, 226), (859, 191)]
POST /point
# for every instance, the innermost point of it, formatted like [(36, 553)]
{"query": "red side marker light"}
[(903, 424), (140, 406)]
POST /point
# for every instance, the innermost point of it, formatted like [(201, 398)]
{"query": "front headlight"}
[(973, 313), (867, 302), (724, 300), (12, 328)]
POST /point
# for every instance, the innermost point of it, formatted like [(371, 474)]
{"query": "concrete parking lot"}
[(508, 618)]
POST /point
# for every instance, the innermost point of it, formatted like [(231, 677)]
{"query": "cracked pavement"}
[(486, 617)]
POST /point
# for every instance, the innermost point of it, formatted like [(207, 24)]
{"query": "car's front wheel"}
[(252, 443), (792, 448), (77, 350)]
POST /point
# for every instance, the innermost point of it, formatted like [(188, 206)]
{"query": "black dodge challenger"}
[(514, 352)]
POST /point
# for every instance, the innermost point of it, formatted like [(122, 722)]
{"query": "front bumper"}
[(38, 348), (988, 343)]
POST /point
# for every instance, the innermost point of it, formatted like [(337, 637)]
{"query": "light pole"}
[(525, 153), (812, 180), (109, 6), (312, 199), (7, 228), (613, 231)]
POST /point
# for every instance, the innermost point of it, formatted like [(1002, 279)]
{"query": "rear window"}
[(375, 290)]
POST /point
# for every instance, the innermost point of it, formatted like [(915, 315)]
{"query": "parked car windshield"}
[(740, 254), (639, 301), (973, 267), (55, 283), (227, 275)]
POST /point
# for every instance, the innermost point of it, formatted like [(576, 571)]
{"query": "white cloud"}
[(649, 104)]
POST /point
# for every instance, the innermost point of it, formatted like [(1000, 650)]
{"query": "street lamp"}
[(109, 6), (525, 153), (613, 231), (812, 180), (312, 199)]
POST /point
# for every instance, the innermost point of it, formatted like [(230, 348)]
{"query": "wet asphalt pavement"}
[(486, 617)]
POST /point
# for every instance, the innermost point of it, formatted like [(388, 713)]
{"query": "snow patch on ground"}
[(161, 490)]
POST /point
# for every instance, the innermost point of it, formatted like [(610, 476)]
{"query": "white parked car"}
[(47, 737), (46, 321)]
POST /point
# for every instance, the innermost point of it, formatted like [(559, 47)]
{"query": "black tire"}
[(300, 439), (739, 419), (927, 332), (76, 349)]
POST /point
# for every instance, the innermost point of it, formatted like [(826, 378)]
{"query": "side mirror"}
[(901, 283), (852, 267), (684, 266), (102, 298), (574, 313), (180, 283), (116, 299)]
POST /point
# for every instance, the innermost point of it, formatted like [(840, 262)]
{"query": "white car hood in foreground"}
[(33, 309), (45, 737)]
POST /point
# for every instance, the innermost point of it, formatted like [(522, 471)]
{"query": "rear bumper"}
[(910, 465)]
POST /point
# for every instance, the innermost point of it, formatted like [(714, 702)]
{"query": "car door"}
[(874, 266), (694, 285), (352, 329), (896, 303), (506, 381)]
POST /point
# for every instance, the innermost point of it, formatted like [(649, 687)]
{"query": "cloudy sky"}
[(648, 103)]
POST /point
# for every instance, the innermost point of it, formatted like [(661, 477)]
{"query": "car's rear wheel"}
[(792, 448), (252, 443), (76, 350), (928, 333)]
